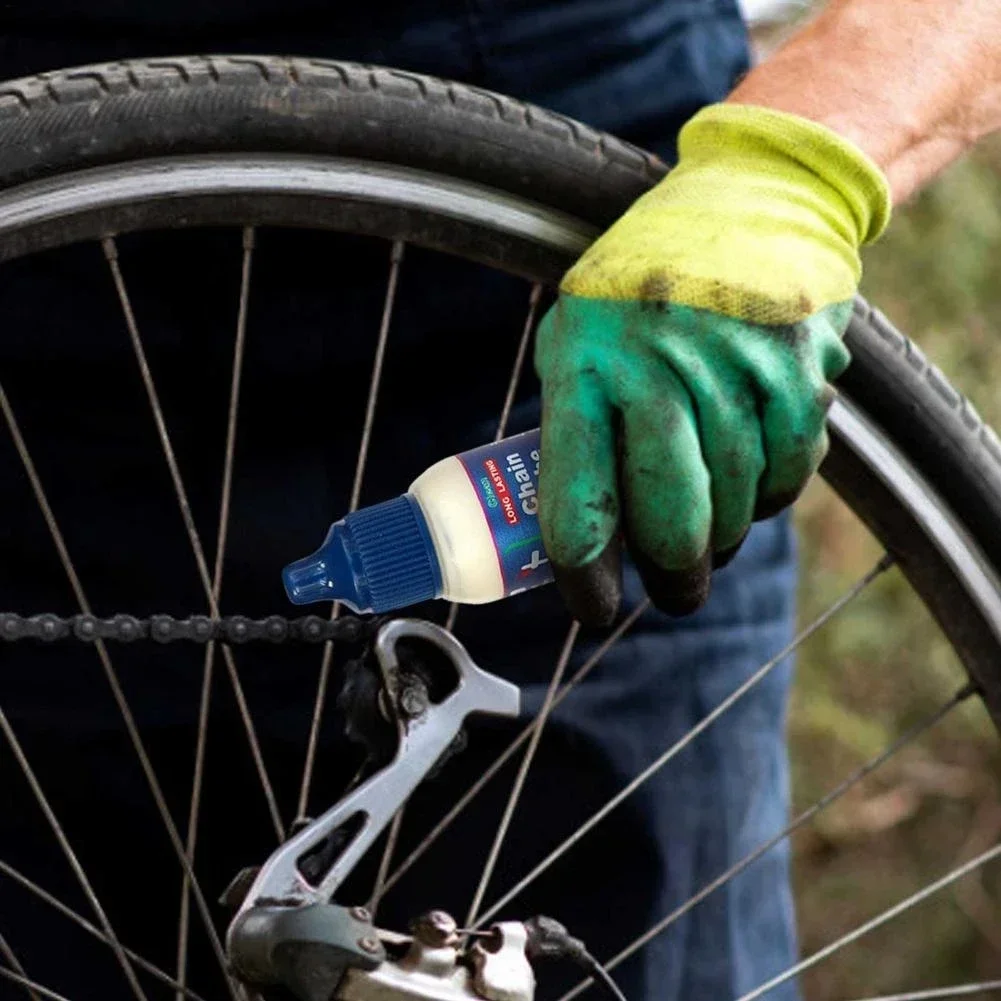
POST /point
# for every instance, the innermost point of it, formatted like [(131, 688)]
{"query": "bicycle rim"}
[(923, 535)]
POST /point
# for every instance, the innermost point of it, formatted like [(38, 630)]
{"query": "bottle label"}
[(505, 475)]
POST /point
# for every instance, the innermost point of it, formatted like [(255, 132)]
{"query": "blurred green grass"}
[(884, 665)]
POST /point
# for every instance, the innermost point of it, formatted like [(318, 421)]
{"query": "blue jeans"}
[(638, 68)]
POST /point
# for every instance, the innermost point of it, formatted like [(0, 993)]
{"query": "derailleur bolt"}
[(435, 929), (360, 914), (414, 701)]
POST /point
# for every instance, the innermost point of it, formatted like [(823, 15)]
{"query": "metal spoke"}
[(111, 255), (519, 781), (392, 838), (881, 919), (375, 381), (908, 737), (955, 991), (11, 737), (502, 759), (91, 929), (112, 678), (71, 856), (220, 559), (512, 387), (31, 986), (395, 258), (519, 360), (759, 675), (388, 689), (184, 915), (15, 964)]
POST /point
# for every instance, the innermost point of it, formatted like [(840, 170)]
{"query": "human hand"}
[(686, 367)]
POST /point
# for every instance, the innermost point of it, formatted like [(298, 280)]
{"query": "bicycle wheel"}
[(100, 153)]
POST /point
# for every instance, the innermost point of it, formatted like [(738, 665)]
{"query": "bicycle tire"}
[(123, 112)]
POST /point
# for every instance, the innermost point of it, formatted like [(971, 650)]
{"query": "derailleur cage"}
[(288, 932)]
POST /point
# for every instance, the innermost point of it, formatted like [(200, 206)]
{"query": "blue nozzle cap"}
[(374, 560), (320, 576)]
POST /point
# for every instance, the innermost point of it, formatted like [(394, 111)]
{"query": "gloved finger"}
[(578, 498), (795, 437), (794, 424), (730, 434), (667, 496), (724, 557)]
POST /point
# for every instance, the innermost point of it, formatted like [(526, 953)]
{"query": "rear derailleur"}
[(288, 935)]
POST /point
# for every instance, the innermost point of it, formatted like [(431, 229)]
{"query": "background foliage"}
[(937, 275)]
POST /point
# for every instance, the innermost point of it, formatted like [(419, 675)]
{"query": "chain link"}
[(195, 628)]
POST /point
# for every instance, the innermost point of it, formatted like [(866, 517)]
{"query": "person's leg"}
[(719, 799)]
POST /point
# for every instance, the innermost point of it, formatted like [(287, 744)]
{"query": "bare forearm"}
[(914, 83)]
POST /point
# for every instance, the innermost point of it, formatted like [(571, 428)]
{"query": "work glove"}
[(686, 366)]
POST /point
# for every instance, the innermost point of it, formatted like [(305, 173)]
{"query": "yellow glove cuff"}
[(761, 220)]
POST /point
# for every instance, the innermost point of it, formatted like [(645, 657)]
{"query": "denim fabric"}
[(635, 67)]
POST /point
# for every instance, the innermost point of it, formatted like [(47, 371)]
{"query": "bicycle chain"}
[(195, 629)]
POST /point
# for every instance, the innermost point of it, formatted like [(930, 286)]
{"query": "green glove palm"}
[(686, 366)]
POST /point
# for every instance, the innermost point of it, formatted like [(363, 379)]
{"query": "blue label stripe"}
[(505, 476), (483, 495)]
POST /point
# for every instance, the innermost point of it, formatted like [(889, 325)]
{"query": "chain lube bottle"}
[(467, 530)]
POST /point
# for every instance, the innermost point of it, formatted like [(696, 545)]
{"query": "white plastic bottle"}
[(467, 530)]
